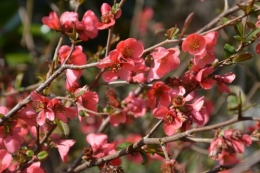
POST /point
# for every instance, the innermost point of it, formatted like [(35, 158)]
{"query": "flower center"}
[(168, 118), (105, 18), (127, 52), (38, 106), (158, 91), (58, 108), (116, 66), (164, 59), (178, 100), (194, 44)]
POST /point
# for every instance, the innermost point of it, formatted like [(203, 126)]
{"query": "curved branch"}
[(146, 141)]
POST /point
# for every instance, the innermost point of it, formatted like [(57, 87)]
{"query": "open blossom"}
[(68, 20), (52, 21), (107, 18), (77, 58), (61, 112), (101, 148), (131, 48), (198, 112), (172, 122), (222, 81), (195, 44), (87, 27), (40, 104), (165, 60), (231, 142), (203, 79), (138, 74), (5, 159), (159, 94), (35, 167), (87, 99), (63, 146), (117, 67)]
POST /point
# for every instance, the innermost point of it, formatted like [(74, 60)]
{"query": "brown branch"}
[(147, 141)]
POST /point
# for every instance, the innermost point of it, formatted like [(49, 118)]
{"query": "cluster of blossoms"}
[(172, 101), (224, 147)]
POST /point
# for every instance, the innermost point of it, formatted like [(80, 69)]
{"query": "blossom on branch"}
[(165, 60), (77, 58)]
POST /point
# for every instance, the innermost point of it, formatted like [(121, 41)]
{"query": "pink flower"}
[(203, 79), (87, 100), (40, 104), (233, 141), (101, 148), (108, 17), (198, 113), (165, 60), (238, 139), (145, 17), (28, 115), (222, 81), (33, 168), (63, 146), (118, 67), (202, 60), (6, 159), (138, 74), (87, 27), (195, 44), (134, 105), (11, 138), (131, 48), (159, 94), (68, 20), (52, 21), (257, 48), (61, 112), (117, 118), (172, 122), (77, 58)]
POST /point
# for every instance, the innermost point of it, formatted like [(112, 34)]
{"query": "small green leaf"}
[(253, 34), (232, 102), (172, 32), (29, 153), (62, 128), (242, 7), (83, 113), (145, 158), (239, 28), (80, 93), (229, 50), (239, 38), (243, 57), (250, 6), (223, 20), (123, 145), (42, 155)]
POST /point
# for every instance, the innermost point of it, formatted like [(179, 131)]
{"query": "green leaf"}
[(80, 93), (229, 50), (242, 7), (250, 6), (29, 153), (42, 155), (123, 145), (239, 38), (243, 57), (145, 158), (83, 113), (62, 128), (232, 102), (253, 34), (239, 28), (223, 20)]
